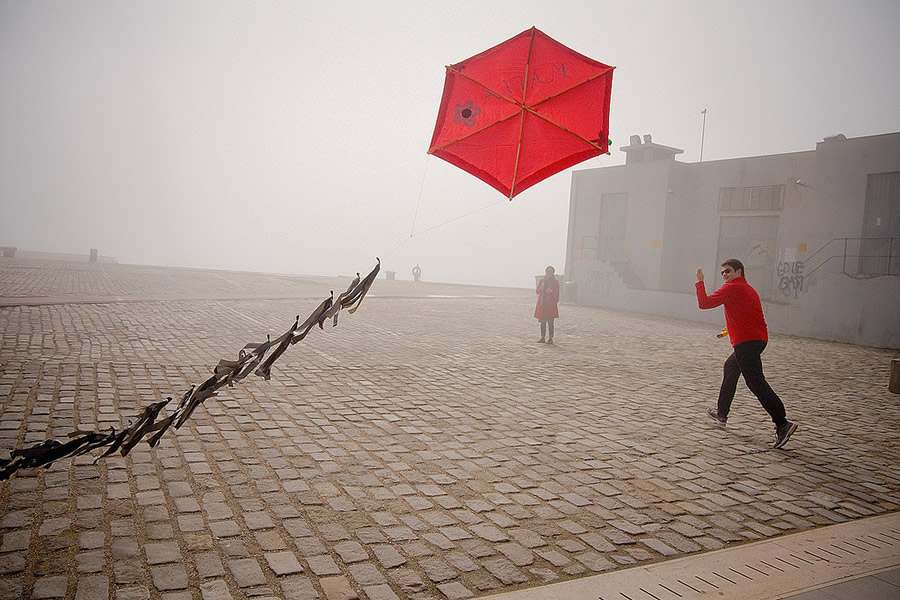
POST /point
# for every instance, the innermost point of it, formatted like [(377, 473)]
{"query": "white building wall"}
[(673, 228)]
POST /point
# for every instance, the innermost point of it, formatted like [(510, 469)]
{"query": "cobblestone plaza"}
[(426, 447)]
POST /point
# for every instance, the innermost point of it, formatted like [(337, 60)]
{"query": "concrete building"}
[(818, 232)]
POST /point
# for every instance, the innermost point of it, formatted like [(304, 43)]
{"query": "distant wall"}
[(25, 254)]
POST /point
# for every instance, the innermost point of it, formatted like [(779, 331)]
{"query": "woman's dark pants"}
[(544, 323)]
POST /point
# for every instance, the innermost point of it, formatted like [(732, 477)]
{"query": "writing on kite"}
[(546, 74)]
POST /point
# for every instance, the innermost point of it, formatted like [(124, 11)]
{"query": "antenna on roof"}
[(702, 133)]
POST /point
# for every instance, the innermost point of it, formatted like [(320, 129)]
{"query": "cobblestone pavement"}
[(425, 448)]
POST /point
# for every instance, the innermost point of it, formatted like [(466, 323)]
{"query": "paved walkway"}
[(425, 448)]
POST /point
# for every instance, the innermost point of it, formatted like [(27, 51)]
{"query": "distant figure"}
[(417, 272), (547, 307), (749, 335)]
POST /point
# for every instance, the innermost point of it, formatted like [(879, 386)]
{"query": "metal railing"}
[(871, 257)]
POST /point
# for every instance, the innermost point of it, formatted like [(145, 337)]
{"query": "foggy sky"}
[(291, 137)]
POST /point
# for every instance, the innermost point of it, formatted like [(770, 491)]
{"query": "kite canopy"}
[(523, 111)]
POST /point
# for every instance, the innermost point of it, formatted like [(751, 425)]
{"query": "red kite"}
[(523, 111)]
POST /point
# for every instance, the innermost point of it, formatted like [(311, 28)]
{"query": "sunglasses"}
[(726, 271)]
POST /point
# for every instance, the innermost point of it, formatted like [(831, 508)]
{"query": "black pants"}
[(544, 323), (746, 360)]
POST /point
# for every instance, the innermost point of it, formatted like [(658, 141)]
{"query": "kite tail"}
[(252, 358)]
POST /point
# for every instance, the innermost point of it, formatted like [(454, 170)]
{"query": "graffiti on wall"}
[(600, 281), (789, 272)]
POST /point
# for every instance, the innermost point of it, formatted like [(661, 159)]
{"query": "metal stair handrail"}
[(844, 255)]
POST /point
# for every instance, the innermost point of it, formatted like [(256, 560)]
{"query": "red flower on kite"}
[(466, 114)]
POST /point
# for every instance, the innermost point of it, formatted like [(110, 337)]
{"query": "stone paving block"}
[(55, 526), (162, 553), (215, 590), (118, 491), (417, 549), (437, 570), (10, 589), (338, 588), (155, 513), (169, 577), (297, 528), (128, 572), (159, 531), (16, 519), (388, 556), (225, 529), (505, 571), (677, 541), (298, 588), (399, 534), (217, 510), (121, 527), (123, 548), (88, 501), (597, 542), (150, 498), (323, 565), (187, 505), (179, 489), (90, 562), (90, 540), (380, 592), (208, 564), (270, 541), (370, 535), (49, 587), (15, 540), (191, 523), (627, 527), (595, 561), (518, 554), (366, 574), (258, 520), (283, 563), (439, 540), (95, 587), (246, 572), (351, 552), (310, 546), (489, 533)]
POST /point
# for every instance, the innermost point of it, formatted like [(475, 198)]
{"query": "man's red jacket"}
[(743, 310)]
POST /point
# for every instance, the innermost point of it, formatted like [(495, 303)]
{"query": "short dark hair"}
[(734, 264)]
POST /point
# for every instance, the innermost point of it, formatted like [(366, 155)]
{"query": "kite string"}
[(421, 189), (416, 213), (412, 229), (412, 235)]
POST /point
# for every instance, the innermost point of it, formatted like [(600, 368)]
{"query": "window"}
[(764, 197)]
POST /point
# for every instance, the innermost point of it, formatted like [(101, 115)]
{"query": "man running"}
[(749, 335)]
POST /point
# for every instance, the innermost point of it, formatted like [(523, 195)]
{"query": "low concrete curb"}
[(762, 570)]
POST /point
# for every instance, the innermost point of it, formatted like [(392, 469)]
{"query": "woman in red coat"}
[(547, 307)]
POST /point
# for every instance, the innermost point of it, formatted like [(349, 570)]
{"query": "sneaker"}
[(541, 341), (713, 414), (550, 340), (783, 433)]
